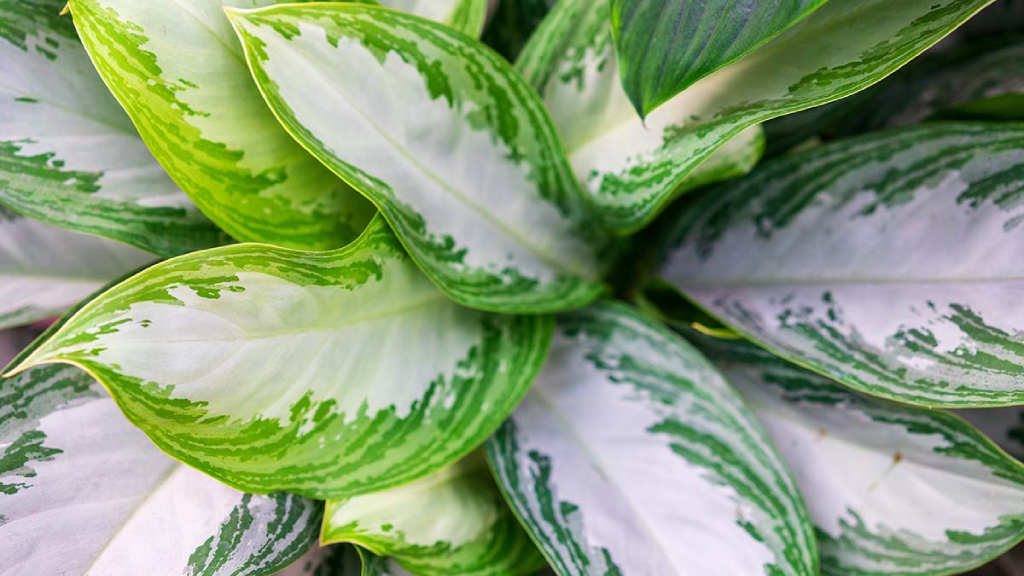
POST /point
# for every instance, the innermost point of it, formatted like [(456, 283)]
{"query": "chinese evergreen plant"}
[(345, 290)]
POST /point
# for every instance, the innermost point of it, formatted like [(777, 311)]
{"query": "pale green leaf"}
[(467, 16), (44, 270), (451, 522), (82, 492), (887, 262), (445, 138), (632, 456), (178, 70), (327, 374), (893, 490), (69, 155), (633, 168), (664, 46)]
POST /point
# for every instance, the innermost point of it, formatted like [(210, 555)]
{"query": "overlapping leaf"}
[(247, 361), (466, 16), (444, 137), (664, 46), (82, 492), (513, 23), (887, 262), (177, 68), (632, 456), (632, 168), (44, 270), (892, 490), (69, 155), (451, 522)]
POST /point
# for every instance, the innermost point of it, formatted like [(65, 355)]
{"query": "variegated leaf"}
[(445, 138), (664, 46), (632, 168), (44, 270), (451, 522), (892, 490), (632, 456), (82, 492), (249, 361), (887, 262), (69, 155), (467, 16), (177, 68)]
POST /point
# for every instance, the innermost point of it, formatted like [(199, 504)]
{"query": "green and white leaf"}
[(177, 68), (633, 168), (445, 138), (68, 153), (922, 305), (467, 16), (451, 522), (82, 492), (893, 490), (247, 361), (44, 270), (632, 456), (665, 46)]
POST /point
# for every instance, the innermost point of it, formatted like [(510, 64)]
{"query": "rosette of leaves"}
[(342, 289)]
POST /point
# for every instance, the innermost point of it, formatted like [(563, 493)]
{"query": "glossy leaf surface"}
[(631, 455), (665, 46), (82, 492), (68, 153), (44, 270), (451, 522), (892, 490), (177, 68), (247, 361), (887, 262), (445, 138), (633, 168)]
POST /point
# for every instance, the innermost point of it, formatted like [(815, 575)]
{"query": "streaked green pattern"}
[(665, 46), (632, 169), (893, 490), (178, 70), (247, 361), (453, 521), (69, 155), (82, 492), (1005, 426), (887, 262), (444, 137), (632, 456), (466, 16), (44, 270)]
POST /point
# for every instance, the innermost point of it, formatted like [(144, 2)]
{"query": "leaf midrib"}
[(540, 253)]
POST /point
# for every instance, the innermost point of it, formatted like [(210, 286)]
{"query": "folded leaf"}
[(45, 270), (82, 492), (892, 490), (921, 307), (69, 155), (665, 46), (451, 522), (467, 16), (445, 138), (632, 456), (249, 361), (178, 70), (633, 168)]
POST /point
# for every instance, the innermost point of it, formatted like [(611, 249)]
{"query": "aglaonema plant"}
[(342, 290)]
